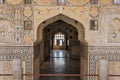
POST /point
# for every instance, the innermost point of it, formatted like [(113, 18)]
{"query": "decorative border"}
[(25, 53), (96, 52)]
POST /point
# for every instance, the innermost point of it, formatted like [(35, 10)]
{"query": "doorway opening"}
[(59, 41), (61, 36), (61, 48)]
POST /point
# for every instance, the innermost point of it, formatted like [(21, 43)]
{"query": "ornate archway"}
[(75, 23), (40, 39)]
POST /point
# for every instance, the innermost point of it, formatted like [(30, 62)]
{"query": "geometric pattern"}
[(111, 53), (24, 53)]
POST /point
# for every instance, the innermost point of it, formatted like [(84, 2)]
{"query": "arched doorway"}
[(60, 35), (72, 33), (59, 41)]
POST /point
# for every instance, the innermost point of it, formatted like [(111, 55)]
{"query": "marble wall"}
[(20, 24), (8, 54), (20, 20)]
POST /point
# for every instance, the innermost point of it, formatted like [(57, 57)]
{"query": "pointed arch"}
[(75, 23)]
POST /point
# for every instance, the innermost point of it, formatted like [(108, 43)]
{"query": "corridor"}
[(60, 63)]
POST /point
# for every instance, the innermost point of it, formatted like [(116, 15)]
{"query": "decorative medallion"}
[(28, 38), (27, 11), (94, 12), (14, 2)]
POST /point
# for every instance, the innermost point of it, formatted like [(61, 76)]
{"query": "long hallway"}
[(60, 63)]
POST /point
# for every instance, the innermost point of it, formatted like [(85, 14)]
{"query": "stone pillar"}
[(103, 69), (17, 69)]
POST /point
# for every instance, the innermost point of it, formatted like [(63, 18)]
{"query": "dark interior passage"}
[(60, 63), (61, 36)]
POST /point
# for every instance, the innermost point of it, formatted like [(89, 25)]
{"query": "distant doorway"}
[(59, 41)]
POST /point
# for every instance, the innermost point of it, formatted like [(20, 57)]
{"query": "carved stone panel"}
[(27, 11), (28, 38), (6, 68), (94, 11), (6, 31), (17, 13), (97, 52), (7, 54), (114, 31)]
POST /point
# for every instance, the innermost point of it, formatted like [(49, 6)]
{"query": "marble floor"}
[(60, 63)]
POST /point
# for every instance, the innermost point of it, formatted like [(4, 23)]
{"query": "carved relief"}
[(17, 13), (12, 23), (28, 38), (27, 11), (14, 2), (6, 31), (7, 12), (94, 11), (97, 52), (10, 53), (114, 30), (112, 10), (5, 69), (17, 38), (18, 25), (78, 2)]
